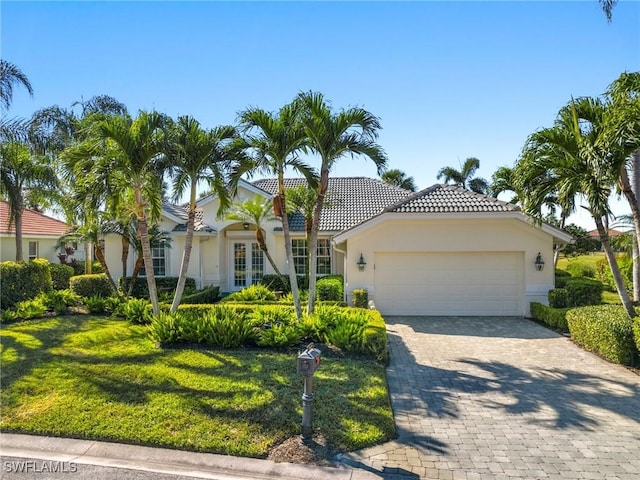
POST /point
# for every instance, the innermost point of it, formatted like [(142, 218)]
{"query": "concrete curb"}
[(160, 460)]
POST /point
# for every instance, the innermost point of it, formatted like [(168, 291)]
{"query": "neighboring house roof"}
[(181, 212), (349, 201), (450, 199), (33, 223), (612, 233)]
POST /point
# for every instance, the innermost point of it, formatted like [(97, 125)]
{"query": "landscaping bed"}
[(106, 379)]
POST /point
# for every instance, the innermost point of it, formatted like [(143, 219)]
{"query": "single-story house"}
[(441, 251), (40, 234)]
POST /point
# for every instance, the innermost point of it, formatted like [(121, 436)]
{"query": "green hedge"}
[(330, 288), (281, 284), (578, 268), (23, 281), (96, 284), (210, 294), (163, 284), (554, 317), (604, 329), (561, 277), (232, 325), (582, 291), (636, 332), (558, 298), (60, 275)]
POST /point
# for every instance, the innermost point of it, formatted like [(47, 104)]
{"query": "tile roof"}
[(33, 223), (350, 200), (182, 212), (450, 199)]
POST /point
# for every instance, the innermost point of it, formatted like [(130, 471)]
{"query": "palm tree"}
[(271, 143), (398, 178), (607, 7), (464, 177), (256, 211), (157, 239), (197, 156), (23, 174), (332, 136), (135, 147), (11, 75), (563, 153)]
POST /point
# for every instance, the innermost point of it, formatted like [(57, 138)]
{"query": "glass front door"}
[(248, 264)]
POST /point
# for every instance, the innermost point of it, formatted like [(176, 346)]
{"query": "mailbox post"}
[(308, 362)]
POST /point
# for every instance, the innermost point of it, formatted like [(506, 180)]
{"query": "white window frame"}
[(36, 245)]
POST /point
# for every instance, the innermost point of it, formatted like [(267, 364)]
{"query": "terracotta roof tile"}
[(33, 223)]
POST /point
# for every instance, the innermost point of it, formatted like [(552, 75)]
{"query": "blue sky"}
[(449, 80)]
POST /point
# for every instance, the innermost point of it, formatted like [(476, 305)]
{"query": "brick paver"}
[(503, 398)]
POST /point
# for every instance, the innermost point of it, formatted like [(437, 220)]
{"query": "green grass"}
[(104, 379), (591, 260)]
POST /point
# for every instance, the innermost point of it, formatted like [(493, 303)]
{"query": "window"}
[(159, 262), (33, 250), (324, 256), (299, 247)]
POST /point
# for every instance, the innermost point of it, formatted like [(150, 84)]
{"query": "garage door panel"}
[(469, 283)]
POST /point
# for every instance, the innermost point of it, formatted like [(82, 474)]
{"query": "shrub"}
[(330, 288), (138, 310), (603, 272), (59, 301), (583, 291), (554, 317), (254, 293), (278, 335), (60, 275), (604, 329), (90, 285), (164, 328), (23, 281), (210, 294), (163, 285), (558, 298), (29, 309), (581, 269), (225, 328), (561, 278), (96, 304), (278, 283), (636, 332), (361, 298)]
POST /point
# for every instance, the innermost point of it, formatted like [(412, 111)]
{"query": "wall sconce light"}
[(361, 263), (245, 225), (539, 263)]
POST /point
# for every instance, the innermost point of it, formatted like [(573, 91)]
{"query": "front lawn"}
[(104, 379)]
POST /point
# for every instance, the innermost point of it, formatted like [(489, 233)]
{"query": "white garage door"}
[(455, 284)]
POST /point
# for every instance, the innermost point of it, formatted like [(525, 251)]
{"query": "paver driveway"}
[(494, 398)]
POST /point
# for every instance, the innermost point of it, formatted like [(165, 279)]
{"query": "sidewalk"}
[(159, 460)]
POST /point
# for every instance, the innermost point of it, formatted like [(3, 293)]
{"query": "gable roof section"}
[(350, 200), (33, 223), (180, 213), (450, 199)]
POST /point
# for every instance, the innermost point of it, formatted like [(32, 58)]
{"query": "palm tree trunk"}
[(143, 233), (18, 226), (313, 240), (615, 269), (629, 190), (125, 254), (134, 275), (293, 278), (105, 267), (188, 245), (88, 258), (263, 246)]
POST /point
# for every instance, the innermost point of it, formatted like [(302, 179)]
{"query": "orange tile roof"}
[(33, 223)]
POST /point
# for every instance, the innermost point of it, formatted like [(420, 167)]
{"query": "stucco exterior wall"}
[(398, 233)]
